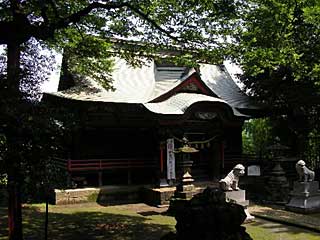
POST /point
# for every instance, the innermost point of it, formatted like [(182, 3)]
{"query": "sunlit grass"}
[(93, 221), (263, 230)]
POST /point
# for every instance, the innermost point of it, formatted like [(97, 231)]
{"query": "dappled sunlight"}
[(135, 221), (92, 225), (88, 223)]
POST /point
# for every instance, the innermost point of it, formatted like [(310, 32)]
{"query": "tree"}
[(277, 46), (191, 24), (257, 136)]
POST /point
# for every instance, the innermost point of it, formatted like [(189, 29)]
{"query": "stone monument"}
[(305, 196), (232, 192)]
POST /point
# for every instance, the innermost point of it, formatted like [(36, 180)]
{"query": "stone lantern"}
[(277, 183), (185, 188)]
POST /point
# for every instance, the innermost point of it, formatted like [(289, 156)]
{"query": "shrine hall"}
[(138, 132)]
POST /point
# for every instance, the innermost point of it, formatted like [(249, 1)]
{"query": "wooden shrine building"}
[(125, 136)]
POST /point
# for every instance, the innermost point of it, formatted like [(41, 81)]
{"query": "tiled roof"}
[(179, 103), (132, 85), (221, 83), (142, 85)]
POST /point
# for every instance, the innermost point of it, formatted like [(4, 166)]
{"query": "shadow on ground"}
[(149, 213), (85, 225)]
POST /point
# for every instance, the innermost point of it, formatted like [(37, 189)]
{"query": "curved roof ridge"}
[(180, 102)]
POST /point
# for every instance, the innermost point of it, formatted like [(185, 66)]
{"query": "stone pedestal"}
[(305, 197), (239, 197), (185, 190)]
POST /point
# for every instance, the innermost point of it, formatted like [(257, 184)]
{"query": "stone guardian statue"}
[(230, 182), (305, 174)]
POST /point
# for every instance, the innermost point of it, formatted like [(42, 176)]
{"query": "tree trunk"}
[(46, 223), (14, 209), (12, 89), (12, 84)]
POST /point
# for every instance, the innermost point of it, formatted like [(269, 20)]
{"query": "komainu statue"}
[(305, 174), (230, 182)]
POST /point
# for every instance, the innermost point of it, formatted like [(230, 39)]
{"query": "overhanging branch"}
[(46, 29), (76, 17), (152, 22)]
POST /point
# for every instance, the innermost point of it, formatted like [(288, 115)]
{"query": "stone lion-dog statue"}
[(305, 174), (230, 182)]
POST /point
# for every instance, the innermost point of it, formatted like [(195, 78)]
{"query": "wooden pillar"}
[(100, 182), (161, 160), (162, 176), (216, 160), (129, 176), (69, 176)]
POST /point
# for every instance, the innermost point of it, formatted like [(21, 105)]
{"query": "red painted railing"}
[(73, 165)]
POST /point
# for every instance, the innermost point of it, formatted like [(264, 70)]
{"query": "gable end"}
[(193, 84)]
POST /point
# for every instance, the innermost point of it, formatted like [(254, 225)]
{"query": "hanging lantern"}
[(208, 144)]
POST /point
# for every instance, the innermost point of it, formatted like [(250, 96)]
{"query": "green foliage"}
[(81, 28), (3, 180), (28, 148), (278, 50), (89, 56), (185, 24), (257, 136), (277, 46), (94, 197), (313, 149), (86, 31)]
